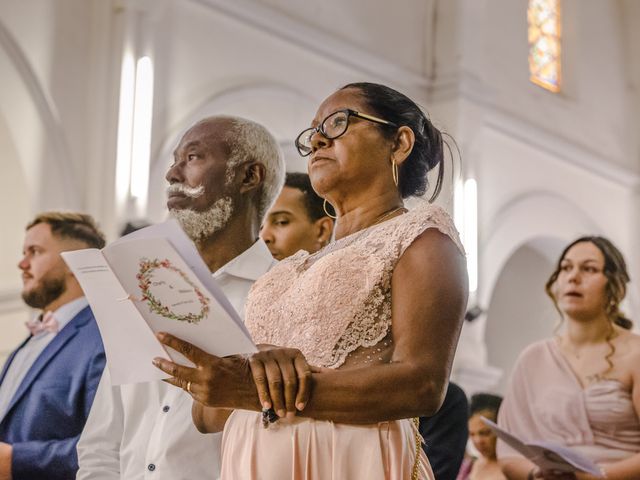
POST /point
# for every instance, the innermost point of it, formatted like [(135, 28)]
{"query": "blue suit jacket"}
[(48, 412)]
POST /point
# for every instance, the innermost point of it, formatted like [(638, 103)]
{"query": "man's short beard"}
[(201, 225), (46, 293)]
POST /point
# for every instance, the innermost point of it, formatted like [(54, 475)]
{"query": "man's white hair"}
[(248, 140)]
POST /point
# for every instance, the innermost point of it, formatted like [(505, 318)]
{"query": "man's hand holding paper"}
[(154, 280)]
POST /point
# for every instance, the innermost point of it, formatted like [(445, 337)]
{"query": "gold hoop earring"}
[(324, 207), (394, 171)]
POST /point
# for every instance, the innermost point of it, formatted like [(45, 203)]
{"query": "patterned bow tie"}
[(48, 323)]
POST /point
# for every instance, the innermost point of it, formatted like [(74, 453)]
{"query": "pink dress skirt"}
[(307, 449)]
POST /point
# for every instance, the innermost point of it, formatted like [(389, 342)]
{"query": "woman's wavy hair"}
[(615, 270), (427, 152)]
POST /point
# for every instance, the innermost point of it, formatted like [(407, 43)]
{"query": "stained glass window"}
[(544, 43)]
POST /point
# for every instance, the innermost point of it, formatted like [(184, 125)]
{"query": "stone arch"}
[(35, 130), (536, 217)]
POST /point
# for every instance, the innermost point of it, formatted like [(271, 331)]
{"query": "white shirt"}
[(30, 351), (144, 430)]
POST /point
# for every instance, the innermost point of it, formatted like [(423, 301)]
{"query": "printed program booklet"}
[(150, 281), (547, 455)]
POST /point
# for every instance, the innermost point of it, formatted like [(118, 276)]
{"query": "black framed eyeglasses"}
[(333, 126)]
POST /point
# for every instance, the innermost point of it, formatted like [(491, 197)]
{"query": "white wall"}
[(14, 210), (47, 101)]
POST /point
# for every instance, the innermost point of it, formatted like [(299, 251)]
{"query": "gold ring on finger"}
[(188, 389)]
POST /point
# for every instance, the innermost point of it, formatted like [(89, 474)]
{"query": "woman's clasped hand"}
[(281, 376)]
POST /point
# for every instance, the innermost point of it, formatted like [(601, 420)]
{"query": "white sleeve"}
[(99, 444)]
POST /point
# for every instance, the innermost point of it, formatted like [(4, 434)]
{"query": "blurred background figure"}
[(298, 220), (445, 434), (133, 226), (580, 388), (485, 466)]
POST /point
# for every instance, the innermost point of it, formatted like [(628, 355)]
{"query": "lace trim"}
[(369, 328), (331, 303), (372, 323)]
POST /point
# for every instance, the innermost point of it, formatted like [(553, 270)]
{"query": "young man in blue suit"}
[(48, 383)]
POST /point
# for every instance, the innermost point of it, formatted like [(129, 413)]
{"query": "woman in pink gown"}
[(581, 388), (376, 314)]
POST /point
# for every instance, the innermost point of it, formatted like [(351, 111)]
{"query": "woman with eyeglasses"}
[(357, 339), (581, 388)]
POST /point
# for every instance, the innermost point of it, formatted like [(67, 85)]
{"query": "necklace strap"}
[(388, 214)]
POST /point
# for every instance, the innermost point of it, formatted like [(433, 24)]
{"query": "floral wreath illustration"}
[(144, 282)]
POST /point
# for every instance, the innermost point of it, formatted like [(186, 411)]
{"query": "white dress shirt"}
[(30, 351), (145, 431)]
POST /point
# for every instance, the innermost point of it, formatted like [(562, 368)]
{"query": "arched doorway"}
[(520, 312)]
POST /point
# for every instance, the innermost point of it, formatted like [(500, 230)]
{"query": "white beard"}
[(201, 225)]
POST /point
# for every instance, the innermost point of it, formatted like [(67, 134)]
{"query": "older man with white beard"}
[(226, 174)]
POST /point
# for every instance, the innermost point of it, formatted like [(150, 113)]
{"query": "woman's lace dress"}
[(335, 307)]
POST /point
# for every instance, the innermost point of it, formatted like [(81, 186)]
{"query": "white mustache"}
[(193, 192)]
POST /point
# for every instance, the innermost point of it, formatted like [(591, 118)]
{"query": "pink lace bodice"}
[(331, 303)]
